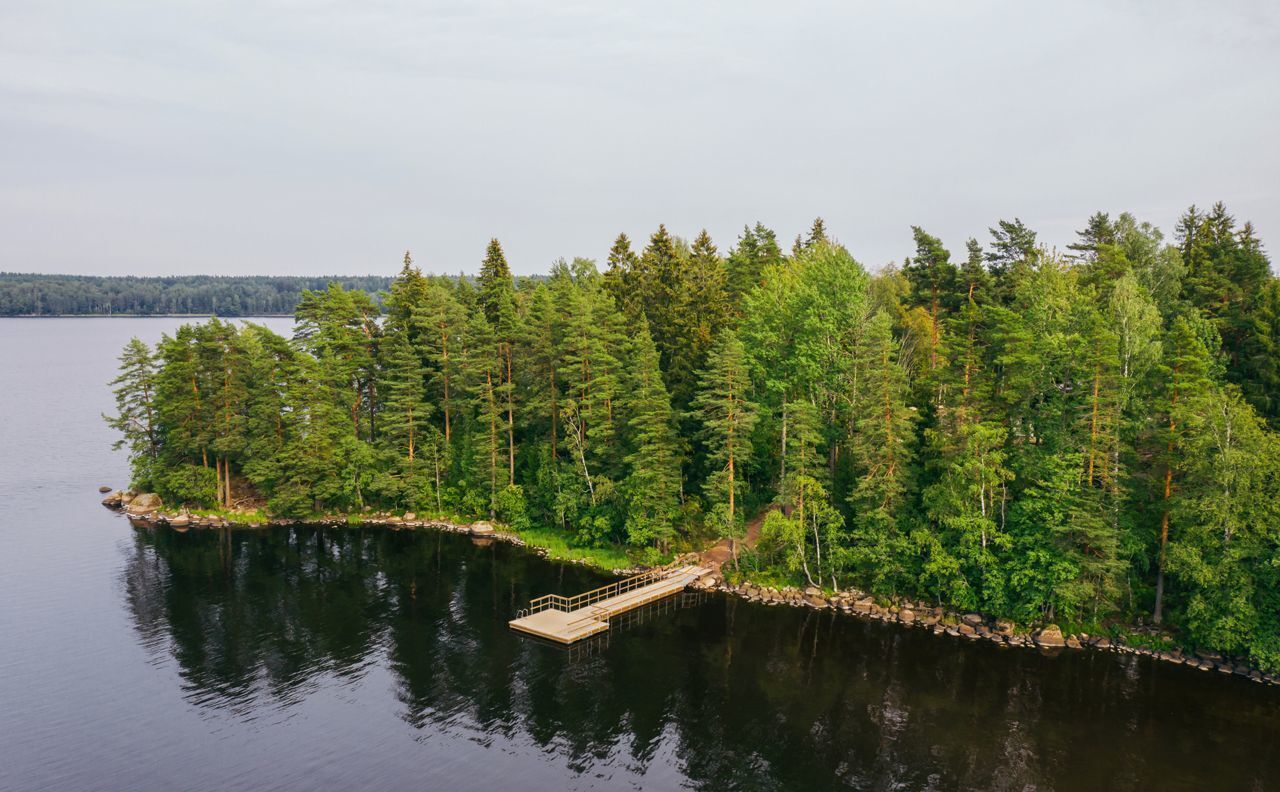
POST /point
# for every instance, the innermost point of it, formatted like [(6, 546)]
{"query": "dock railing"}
[(579, 601)]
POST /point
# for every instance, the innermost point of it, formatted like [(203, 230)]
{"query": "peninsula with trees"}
[(1083, 436)]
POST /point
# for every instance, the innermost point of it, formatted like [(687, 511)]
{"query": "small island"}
[(1038, 448)]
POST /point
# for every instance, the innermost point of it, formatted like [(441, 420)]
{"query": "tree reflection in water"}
[(725, 693)]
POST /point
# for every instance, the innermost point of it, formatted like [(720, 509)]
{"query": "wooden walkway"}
[(569, 619)]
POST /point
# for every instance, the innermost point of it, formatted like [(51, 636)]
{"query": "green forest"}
[(1085, 436), (27, 294)]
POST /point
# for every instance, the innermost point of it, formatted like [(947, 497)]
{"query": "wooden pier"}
[(568, 619)]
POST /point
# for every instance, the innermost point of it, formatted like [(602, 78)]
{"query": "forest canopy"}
[(26, 294), (1077, 436)]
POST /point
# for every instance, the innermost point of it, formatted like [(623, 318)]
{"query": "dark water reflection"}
[(720, 695)]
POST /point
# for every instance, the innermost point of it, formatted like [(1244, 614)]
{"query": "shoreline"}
[(904, 612)]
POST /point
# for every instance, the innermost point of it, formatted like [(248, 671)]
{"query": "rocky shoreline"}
[(976, 627), (146, 510)]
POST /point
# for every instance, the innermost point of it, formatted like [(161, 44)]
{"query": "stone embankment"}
[(973, 626)]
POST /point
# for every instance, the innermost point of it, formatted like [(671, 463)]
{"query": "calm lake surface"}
[(371, 659)]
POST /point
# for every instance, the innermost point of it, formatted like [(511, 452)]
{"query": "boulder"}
[(179, 521), (1073, 642), (410, 516), (971, 619), (113, 500), (146, 503), (815, 600), (1103, 643), (964, 628), (906, 616), (104, 489), (864, 605), (1050, 636), (482, 527), (1004, 626)]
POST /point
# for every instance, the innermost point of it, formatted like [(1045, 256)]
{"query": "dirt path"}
[(720, 552)]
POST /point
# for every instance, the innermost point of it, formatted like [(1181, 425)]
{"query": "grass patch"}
[(235, 517), (557, 546)]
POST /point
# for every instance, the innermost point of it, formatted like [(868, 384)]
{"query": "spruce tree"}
[(653, 481), (882, 448), (1181, 406), (728, 416)]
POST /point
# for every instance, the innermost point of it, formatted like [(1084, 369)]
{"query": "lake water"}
[(371, 659)]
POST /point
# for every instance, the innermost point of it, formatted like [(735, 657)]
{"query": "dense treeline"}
[(25, 294), (1078, 436)]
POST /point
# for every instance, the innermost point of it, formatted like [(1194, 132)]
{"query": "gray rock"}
[(104, 489), (972, 619)]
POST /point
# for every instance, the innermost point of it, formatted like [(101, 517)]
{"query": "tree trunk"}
[(511, 423), (493, 447), (1157, 615), (444, 367)]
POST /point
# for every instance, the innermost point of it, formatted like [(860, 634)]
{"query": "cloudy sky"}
[(281, 136)]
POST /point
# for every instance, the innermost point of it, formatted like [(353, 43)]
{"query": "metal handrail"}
[(579, 601)]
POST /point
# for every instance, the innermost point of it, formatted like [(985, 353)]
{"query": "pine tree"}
[(933, 281), (1100, 232), (974, 279), (135, 418), (1012, 255)]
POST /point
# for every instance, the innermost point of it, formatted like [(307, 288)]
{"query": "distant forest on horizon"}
[(30, 294)]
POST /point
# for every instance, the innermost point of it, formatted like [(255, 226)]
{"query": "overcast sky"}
[(295, 137)]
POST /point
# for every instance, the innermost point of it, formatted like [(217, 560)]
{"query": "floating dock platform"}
[(569, 619)]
